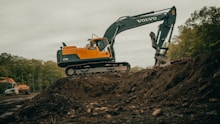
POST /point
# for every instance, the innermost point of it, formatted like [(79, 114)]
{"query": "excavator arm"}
[(129, 22)]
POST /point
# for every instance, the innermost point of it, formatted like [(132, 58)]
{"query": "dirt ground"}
[(10, 104), (184, 92)]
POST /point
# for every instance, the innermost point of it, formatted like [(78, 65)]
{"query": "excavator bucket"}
[(161, 60)]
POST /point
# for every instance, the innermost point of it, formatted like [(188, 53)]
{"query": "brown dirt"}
[(185, 92)]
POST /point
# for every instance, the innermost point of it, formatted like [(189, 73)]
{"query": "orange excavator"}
[(99, 56), (11, 87)]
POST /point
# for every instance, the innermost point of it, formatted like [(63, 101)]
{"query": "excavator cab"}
[(95, 42)]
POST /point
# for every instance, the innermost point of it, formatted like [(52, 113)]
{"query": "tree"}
[(35, 73), (200, 34), (51, 73)]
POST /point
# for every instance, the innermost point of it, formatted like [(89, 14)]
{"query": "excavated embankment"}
[(184, 92)]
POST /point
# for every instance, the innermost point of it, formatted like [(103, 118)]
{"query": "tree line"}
[(35, 73), (199, 35)]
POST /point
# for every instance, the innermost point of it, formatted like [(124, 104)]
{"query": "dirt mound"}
[(185, 92)]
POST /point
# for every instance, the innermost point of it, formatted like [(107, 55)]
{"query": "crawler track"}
[(97, 68)]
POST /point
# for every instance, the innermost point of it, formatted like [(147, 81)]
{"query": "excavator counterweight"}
[(99, 56)]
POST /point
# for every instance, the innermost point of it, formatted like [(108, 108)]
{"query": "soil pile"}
[(184, 92)]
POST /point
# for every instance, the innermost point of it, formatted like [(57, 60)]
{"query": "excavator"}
[(12, 88), (99, 56)]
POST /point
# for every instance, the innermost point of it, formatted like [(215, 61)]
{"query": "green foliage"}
[(35, 73), (200, 34)]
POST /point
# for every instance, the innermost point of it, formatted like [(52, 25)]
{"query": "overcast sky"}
[(36, 28)]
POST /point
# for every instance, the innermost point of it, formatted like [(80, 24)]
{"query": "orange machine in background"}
[(11, 87)]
